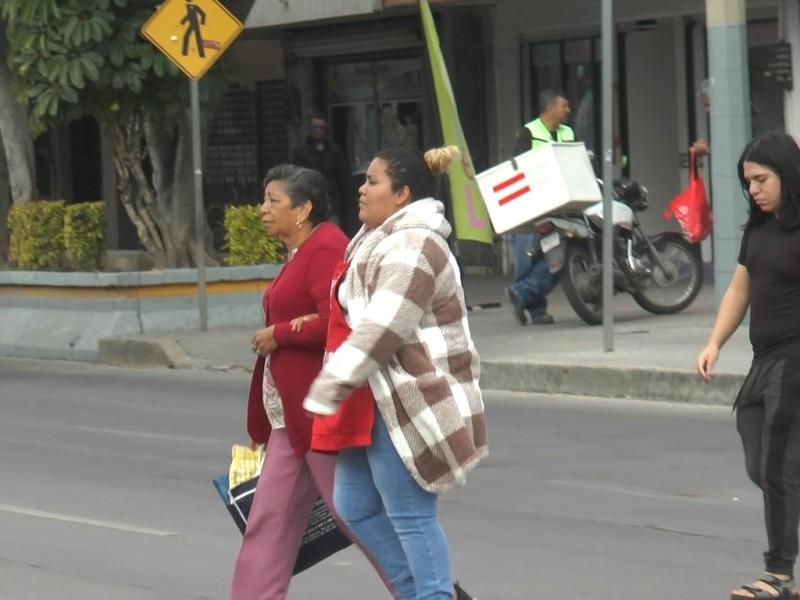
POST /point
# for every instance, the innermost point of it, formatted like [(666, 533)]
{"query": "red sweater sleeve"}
[(318, 281)]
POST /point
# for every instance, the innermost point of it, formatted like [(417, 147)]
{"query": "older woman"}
[(296, 211), (410, 342)]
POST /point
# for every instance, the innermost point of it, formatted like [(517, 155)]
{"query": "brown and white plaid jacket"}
[(411, 342)]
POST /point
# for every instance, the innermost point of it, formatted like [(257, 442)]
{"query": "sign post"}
[(194, 34), (607, 51)]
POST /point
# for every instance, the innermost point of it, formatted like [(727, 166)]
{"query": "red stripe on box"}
[(514, 195), (504, 184)]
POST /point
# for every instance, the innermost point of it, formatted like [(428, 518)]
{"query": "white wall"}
[(790, 30), (268, 13), (653, 120)]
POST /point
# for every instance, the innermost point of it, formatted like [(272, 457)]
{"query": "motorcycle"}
[(663, 273)]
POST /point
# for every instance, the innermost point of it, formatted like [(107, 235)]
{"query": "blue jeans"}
[(532, 279), (394, 518)]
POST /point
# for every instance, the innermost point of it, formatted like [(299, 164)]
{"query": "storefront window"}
[(350, 82), (571, 66), (579, 86), (766, 96), (375, 105), (546, 72)]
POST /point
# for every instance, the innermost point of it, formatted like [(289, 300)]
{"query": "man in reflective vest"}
[(532, 279)]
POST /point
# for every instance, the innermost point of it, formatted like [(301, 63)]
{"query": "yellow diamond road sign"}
[(193, 33)]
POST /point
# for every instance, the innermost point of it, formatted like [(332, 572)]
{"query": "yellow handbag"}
[(245, 464)]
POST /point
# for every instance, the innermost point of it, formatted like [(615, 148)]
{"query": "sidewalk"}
[(653, 356)]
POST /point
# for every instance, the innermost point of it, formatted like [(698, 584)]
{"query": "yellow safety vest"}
[(540, 135)]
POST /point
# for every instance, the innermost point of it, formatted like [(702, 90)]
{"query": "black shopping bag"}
[(322, 537)]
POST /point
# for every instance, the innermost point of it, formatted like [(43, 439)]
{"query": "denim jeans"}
[(393, 518), (532, 279)]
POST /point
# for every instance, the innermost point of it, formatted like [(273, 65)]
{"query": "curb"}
[(681, 386), (641, 383), (129, 352)]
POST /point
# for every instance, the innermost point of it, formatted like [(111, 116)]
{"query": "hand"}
[(706, 360), (701, 147), (297, 324), (320, 409), (263, 341)]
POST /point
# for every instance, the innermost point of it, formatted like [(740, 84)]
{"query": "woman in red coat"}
[(296, 211)]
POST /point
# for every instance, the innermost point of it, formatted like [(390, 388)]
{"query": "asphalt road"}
[(106, 493)]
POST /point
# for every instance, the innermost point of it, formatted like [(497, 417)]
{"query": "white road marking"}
[(651, 494), (135, 434), (83, 521)]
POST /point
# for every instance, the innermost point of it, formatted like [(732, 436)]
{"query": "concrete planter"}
[(64, 315)]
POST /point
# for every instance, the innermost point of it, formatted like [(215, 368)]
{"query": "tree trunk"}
[(4, 237), (17, 144), (162, 207), (135, 193), (17, 138), (173, 179)]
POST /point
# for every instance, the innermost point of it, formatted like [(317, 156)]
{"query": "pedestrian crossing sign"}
[(192, 33)]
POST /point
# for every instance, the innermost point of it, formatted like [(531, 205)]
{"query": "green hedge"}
[(84, 235), (36, 235), (48, 235), (245, 239)]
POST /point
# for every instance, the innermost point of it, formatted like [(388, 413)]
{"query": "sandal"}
[(781, 590)]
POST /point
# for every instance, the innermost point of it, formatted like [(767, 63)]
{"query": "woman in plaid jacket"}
[(411, 343)]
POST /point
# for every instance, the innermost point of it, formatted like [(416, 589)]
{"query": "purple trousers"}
[(286, 491)]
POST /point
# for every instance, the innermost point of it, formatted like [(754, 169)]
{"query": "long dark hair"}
[(780, 153), (302, 184)]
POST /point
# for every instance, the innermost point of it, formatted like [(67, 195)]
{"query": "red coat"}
[(302, 287)]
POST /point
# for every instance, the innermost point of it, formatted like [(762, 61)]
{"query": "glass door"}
[(573, 67), (374, 105)]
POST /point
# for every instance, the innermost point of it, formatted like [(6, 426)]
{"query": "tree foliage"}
[(72, 58), (77, 57)]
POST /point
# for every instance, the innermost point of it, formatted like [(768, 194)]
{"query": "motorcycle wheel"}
[(668, 293), (582, 282)]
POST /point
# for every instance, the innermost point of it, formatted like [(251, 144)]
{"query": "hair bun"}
[(439, 159)]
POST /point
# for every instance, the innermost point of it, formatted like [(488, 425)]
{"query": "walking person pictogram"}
[(195, 17)]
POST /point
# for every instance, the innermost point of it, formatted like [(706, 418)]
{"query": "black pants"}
[(768, 421)]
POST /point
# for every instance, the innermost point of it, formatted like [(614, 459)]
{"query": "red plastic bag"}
[(690, 207)]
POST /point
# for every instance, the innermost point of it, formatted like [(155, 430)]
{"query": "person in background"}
[(318, 152), (532, 278), (767, 281), (290, 351), (700, 145), (410, 342)]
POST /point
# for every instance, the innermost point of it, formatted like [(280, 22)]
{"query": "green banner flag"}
[(471, 221)]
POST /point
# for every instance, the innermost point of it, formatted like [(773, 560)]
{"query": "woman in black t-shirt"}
[(767, 280)]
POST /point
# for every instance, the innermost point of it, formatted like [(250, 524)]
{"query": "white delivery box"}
[(551, 178)]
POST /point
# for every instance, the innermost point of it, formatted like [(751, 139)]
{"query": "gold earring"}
[(299, 225)]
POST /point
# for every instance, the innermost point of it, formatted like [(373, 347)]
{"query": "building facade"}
[(363, 63)]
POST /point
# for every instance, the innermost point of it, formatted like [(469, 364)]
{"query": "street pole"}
[(730, 130), (608, 173), (199, 225)]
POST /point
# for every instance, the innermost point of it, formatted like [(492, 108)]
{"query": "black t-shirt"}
[(772, 258)]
